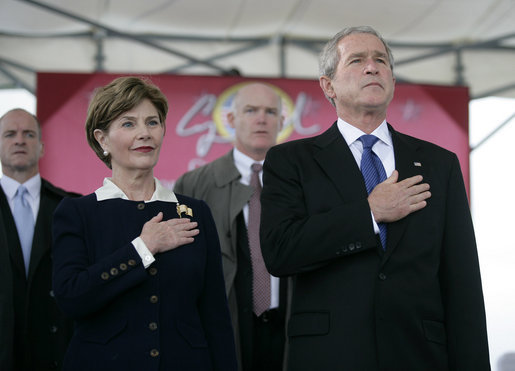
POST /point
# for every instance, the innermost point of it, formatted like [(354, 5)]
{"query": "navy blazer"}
[(171, 316), (416, 306)]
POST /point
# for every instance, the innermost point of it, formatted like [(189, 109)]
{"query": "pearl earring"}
[(105, 153)]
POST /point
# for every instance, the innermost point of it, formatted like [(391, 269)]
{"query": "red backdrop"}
[(196, 129)]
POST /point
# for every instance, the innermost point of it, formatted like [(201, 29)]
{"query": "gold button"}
[(152, 326), (141, 206), (154, 352), (123, 266), (152, 271), (104, 276), (114, 271), (153, 299), (132, 262)]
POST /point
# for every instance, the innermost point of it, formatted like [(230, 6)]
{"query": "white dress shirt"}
[(383, 148), (109, 191), (243, 163)]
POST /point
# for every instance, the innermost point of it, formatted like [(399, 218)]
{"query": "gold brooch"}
[(184, 209)]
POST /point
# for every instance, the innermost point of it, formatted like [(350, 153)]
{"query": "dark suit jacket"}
[(243, 286), (6, 303), (34, 332), (171, 316), (417, 306), (218, 183)]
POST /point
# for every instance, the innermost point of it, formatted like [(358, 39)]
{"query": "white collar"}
[(243, 160), (109, 190), (351, 133), (243, 163), (10, 186)]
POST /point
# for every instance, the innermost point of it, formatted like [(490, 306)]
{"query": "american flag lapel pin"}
[(184, 209)]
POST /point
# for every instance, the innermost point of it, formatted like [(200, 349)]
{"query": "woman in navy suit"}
[(137, 266)]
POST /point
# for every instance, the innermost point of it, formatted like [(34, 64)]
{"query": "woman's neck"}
[(137, 186)]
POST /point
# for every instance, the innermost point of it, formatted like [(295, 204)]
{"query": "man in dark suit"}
[(226, 185), (34, 333), (386, 277)]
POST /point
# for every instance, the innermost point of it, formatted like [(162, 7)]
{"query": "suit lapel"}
[(240, 196), (227, 175), (408, 164), (41, 242), (335, 158), (13, 244)]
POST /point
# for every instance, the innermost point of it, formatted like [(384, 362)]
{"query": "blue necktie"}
[(373, 173), (24, 219)]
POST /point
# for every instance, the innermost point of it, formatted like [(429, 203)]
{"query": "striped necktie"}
[(260, 276), (373, 173)]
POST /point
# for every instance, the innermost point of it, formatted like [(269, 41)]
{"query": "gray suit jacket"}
[(218, 183)]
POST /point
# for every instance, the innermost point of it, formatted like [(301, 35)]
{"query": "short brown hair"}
[(119, 96)]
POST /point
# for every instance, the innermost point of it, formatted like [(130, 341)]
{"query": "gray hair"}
[(330, 56)]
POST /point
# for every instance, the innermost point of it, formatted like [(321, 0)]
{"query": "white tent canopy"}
[(451, 42), (466, 42)]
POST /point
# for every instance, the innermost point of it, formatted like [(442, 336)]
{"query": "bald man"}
[(33, 332), (257, 300)]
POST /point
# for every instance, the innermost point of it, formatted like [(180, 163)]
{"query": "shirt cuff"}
[(146, 256), (376, 226)]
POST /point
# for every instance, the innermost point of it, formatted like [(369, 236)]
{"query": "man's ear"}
[(327, 86), (41, 149), (230, 119), (281, 123)]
